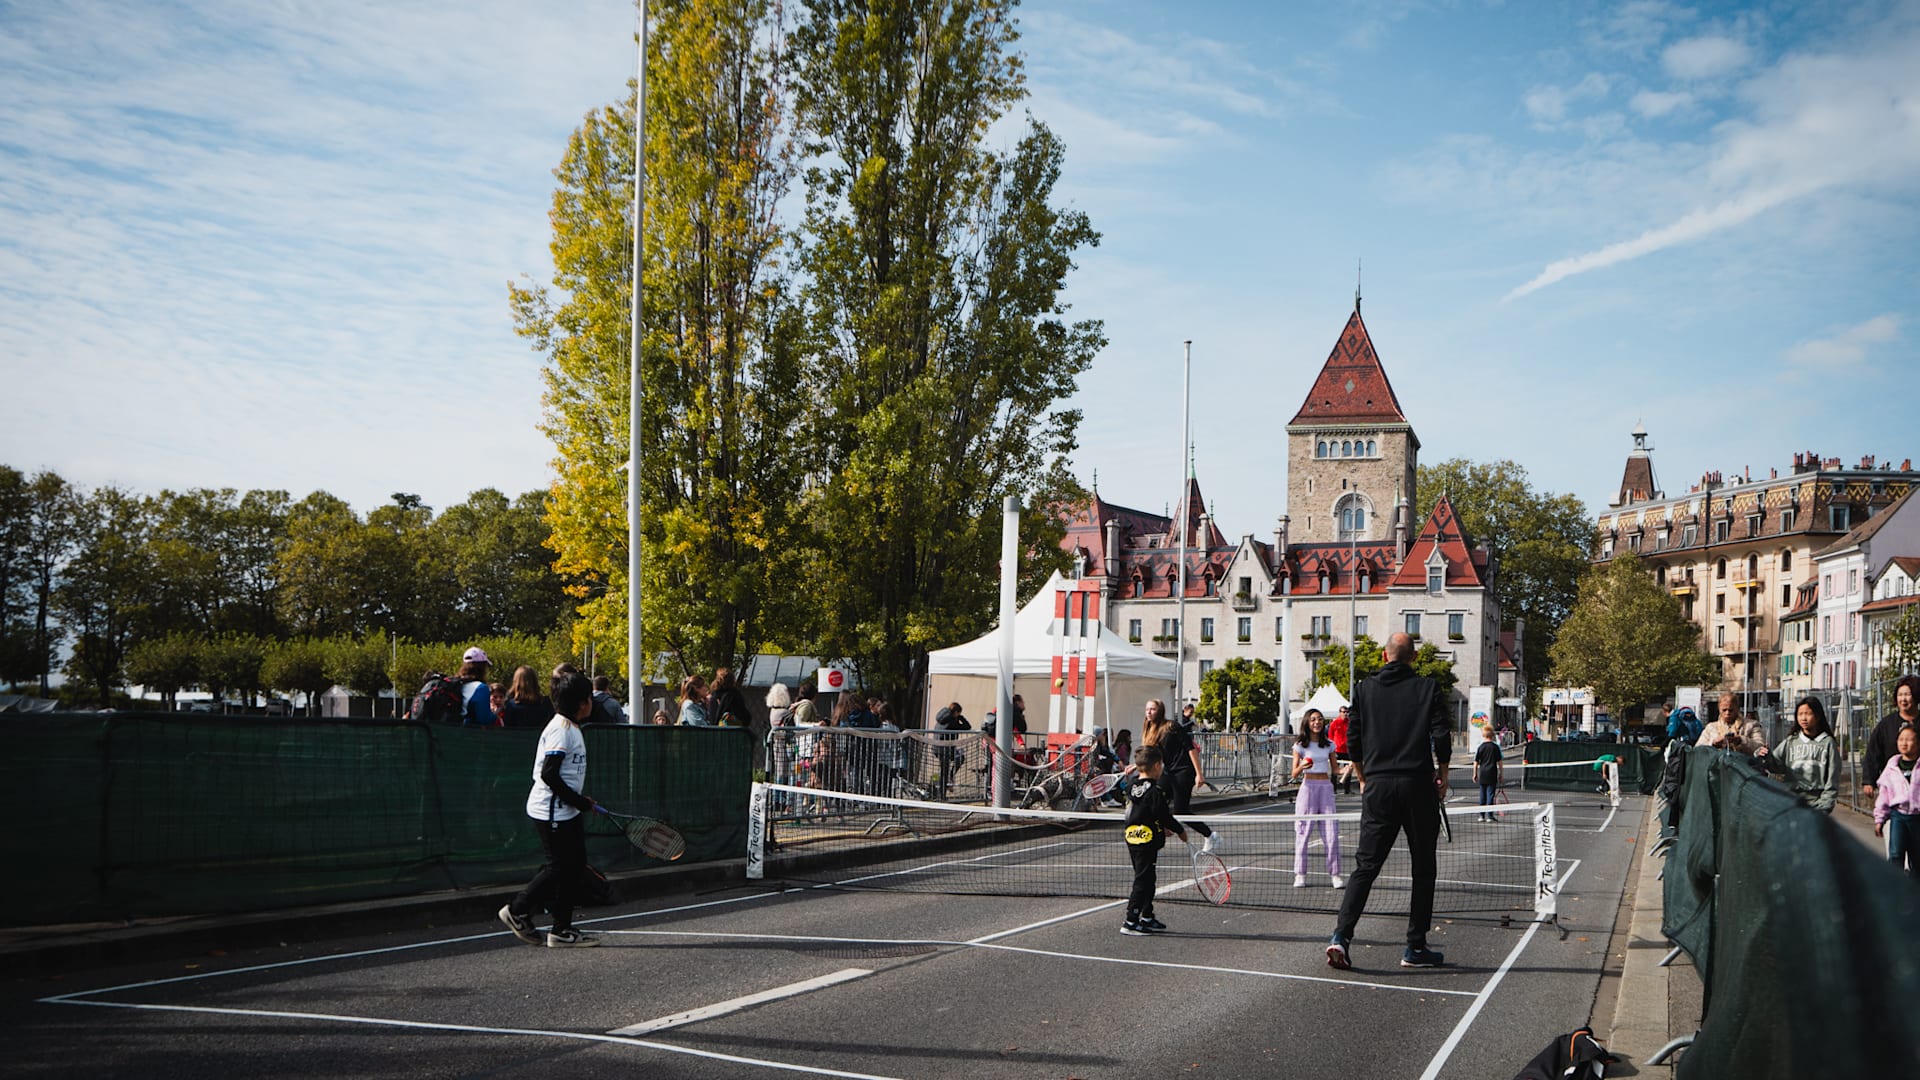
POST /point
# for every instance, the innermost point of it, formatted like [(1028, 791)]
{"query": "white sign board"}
[(834, 680), (1688, 697), (1479, 705)]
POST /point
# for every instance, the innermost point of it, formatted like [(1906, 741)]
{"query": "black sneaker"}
[(1419, 956), (571, 939), (1134, 929), (1337, 953), (1153, 924), (521, 925)]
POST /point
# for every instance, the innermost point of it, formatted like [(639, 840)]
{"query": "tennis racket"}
[(1097, 786), (650, 835), (1210, 875), (1445, 825)]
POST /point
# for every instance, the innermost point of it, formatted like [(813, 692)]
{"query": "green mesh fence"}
[(139, 815), (1640, 766), (1803, 936)]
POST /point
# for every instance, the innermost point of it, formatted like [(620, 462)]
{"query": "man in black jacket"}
[(1399, 738)]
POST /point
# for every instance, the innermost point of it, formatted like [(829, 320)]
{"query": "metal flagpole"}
[(1353, 597), (1180, 612), (634, 666)]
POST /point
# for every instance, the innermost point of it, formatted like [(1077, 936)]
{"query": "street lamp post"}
[(634, 383)]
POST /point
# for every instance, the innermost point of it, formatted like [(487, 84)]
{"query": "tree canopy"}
[(1256, 694), (1629, 639), (1539, 541)]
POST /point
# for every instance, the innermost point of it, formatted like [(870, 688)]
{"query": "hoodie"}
[(1398, 724), (1898, 794)]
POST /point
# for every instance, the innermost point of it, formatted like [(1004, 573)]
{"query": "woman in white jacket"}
[(1809, 757)]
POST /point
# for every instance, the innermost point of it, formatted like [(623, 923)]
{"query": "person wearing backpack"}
[(606, 708), (476, 701)]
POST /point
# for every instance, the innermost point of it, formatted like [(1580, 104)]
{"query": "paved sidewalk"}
[(1654, 1005)]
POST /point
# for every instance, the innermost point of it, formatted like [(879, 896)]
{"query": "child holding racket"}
[(1149, 820), (557, 807), (1313, 759)]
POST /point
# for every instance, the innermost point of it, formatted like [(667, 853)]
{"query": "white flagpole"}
[(1180, 516), (635, 668)]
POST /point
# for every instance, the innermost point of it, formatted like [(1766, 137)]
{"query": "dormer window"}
[(1436, 579)]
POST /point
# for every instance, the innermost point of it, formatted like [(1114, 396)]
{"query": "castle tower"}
[(1350, 449)]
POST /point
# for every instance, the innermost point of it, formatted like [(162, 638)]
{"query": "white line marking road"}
[(1480, 999), (418, 1025), (735, 1005)]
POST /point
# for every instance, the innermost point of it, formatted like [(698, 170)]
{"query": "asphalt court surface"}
[(819, 981)]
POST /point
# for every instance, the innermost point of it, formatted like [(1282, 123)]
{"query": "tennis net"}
[(1600, 776), (1496, 859)]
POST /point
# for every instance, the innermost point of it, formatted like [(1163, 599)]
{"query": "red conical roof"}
[(1352, 387)]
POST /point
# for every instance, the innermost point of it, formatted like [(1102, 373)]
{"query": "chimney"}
[(1400, 533), (1111, 547), (1280, 541)]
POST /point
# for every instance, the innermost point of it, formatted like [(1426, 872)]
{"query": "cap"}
[(475, 655)]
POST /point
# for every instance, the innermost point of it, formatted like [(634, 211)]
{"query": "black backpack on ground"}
[(439, 700)]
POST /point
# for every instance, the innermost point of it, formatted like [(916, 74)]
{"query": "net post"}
[(1613, 782), (1546, 889), (756, 833)]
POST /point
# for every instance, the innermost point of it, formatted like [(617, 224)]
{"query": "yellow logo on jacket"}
[(1139, 834)]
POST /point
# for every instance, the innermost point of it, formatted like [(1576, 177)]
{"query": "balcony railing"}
[(1244, 602)]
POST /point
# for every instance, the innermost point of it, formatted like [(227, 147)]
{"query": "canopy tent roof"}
[(1327, 699), (1033, 647)]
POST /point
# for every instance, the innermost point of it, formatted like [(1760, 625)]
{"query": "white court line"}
[(580, 1036), (986, 944), (1480, 999), (734, 1005)]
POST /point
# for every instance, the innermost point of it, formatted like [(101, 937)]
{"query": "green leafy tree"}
[(1540, 543), (231, 663), (359, 664), (1256, 694), (168, 664), (298, 666), (106, 588), (722, 462), (54, 533), (1427, 660), (1332, 668), (1629, 639), (318, 566), (503, 580), (934, 267)]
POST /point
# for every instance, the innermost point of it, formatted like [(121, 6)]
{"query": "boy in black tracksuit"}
[(1149, 820)]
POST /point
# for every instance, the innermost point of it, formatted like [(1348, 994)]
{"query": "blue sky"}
[(267, 244)]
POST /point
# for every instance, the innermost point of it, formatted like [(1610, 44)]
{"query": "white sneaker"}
[(1299, 881), (1339, 882), (1212, 846)]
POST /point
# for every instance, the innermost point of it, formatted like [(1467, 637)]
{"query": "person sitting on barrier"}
[(951, 719), (1808, 757), (1313, 761), (557, 807), (1880, 748), (1896, 810)]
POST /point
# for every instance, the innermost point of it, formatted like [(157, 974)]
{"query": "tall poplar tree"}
[(933, 269), (720, 376)]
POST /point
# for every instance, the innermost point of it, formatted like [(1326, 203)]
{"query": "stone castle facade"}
[(1345, 558)]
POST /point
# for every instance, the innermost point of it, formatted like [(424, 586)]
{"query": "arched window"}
[(1786, 560), (1320, 448), (1371, 450), (1660, 577), (1720, 569), (1351, 512), (1753, 567), (1346, 449)]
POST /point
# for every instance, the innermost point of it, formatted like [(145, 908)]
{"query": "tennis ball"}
[(1060, 682)]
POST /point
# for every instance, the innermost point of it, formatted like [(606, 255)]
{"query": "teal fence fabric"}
[(1804, 937), (1640, 766), (133, 815)]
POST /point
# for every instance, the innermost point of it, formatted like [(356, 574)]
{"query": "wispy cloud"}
[(1654, 104), (1706, 57), (1847, 348), (1813, 123)]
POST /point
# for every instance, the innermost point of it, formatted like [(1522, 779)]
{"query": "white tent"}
[(1129, 676), (1327, 699)]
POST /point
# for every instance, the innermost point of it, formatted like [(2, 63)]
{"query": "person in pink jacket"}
[(1896, 809)]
